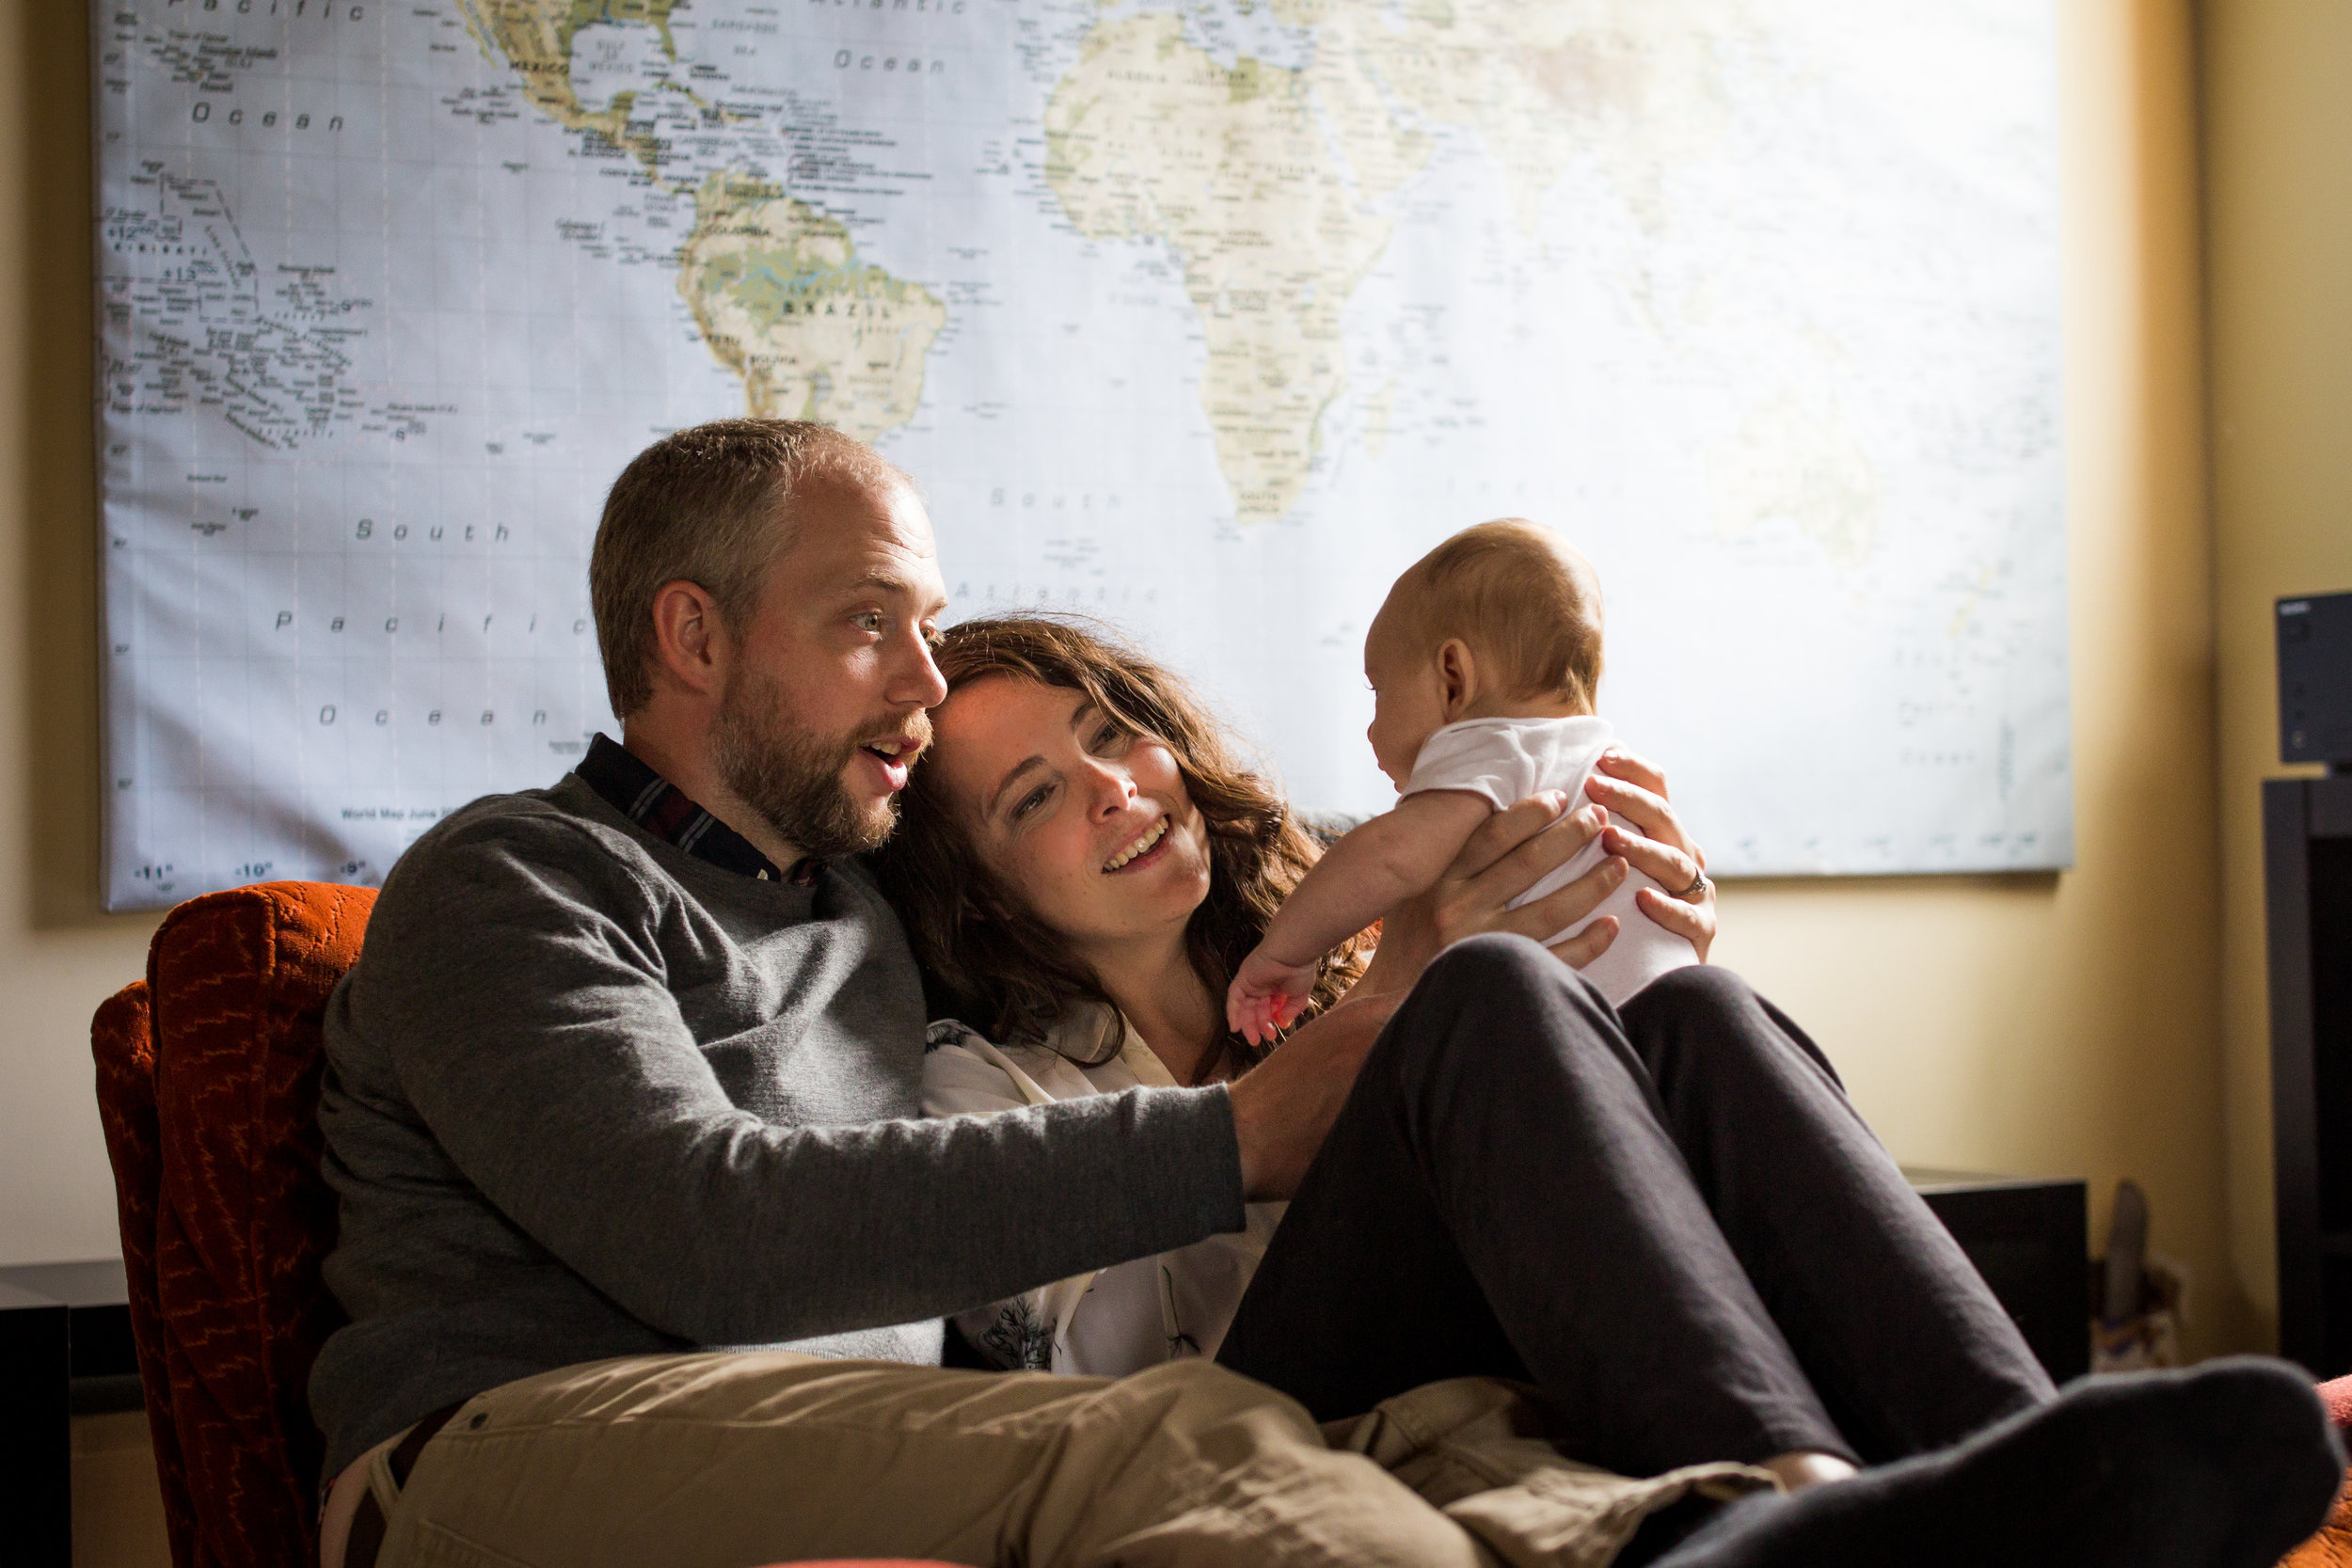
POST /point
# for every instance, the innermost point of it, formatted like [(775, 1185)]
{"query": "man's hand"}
[(1510, 852), (1636, 790), (1284, 1106)]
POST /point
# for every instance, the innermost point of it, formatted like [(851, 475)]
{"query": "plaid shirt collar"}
[(665, 811)]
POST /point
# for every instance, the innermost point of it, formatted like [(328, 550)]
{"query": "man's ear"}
[(691, 645), (1457, 676)]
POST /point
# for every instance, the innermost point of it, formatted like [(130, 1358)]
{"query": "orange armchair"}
[(208, 1086)]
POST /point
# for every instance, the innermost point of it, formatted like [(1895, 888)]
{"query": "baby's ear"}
[(1458, 674)]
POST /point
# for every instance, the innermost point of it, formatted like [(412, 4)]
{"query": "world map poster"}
[(1202, 318)]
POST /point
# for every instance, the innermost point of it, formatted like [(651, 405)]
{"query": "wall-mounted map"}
[(1206, 318)]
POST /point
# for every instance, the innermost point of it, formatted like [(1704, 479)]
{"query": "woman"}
[(1667, 1218)]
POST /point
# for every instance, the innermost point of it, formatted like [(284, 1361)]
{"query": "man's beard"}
[(792, 776)]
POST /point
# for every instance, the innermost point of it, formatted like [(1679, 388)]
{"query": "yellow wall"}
[(2278, 111), (2066, 1024), (58, 956)]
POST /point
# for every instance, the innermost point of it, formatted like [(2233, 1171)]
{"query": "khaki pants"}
[(726, 1460)]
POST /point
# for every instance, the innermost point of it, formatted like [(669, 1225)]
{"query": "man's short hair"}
[(711, 505), (1521, 597)]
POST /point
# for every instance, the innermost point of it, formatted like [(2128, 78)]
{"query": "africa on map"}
[(1205, 318)]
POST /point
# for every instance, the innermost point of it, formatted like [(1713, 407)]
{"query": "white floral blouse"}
[(1131, 1315)]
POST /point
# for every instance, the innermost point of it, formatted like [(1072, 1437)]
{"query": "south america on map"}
[(1202, 318)]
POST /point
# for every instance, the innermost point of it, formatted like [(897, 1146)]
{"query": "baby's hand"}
[(1265, 996)]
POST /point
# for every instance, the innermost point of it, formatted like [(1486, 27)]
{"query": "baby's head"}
[(1501, 621)]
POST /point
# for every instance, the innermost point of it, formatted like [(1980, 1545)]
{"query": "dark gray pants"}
[(1670, 1220)]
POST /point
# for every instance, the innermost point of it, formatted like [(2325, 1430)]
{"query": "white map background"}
[(1206, 318)]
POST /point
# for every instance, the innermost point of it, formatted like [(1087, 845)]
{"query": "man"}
[(629, 1068)]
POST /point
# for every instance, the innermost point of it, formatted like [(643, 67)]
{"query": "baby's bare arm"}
[(1391, 858)]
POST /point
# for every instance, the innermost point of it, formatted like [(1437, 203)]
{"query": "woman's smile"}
[(1141, 850)]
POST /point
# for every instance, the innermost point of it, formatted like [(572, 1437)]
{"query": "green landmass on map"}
[(776, 289), (1273, 186), (1149, 137), (779, 296), (534, 36)]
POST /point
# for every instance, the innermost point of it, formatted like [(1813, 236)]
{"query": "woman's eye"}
[(1030, 801), (867, 620)]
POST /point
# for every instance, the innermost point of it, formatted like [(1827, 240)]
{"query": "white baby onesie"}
[(1506, 760)]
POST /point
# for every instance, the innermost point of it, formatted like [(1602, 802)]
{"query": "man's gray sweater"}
[(589, 1096)]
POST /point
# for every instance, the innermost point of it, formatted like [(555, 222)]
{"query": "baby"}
[(1484, 664)]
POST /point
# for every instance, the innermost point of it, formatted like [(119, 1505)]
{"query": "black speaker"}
[(2316, 680)]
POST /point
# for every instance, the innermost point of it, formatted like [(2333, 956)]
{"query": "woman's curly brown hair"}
[(985, 954)]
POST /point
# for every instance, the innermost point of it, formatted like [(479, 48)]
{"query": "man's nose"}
[(921, 684)]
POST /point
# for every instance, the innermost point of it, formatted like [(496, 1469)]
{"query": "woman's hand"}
[(1636, 790), (1508, 853)]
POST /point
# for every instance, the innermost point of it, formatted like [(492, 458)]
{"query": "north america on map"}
[(1202, 318)]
